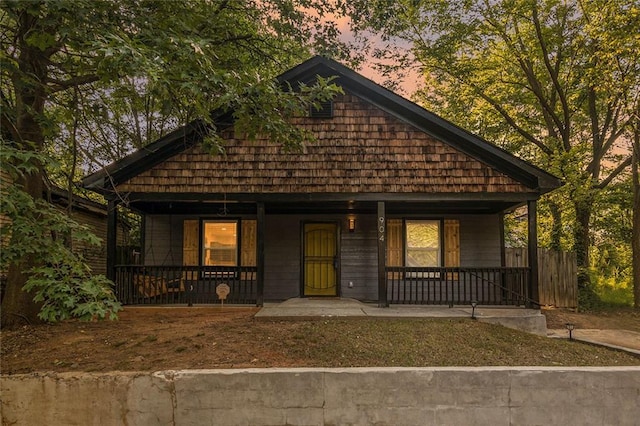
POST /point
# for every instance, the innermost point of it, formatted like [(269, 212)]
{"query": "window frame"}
[(325, 111), (201, 249), (441, 249)]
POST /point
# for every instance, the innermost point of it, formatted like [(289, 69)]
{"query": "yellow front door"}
[(320, 259)]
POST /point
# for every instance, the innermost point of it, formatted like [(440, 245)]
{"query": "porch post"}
[(532, 219), (382, 256), (260, 255), (112, 235), (503, 256)]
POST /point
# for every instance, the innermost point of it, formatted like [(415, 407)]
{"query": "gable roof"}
[(395, 105)]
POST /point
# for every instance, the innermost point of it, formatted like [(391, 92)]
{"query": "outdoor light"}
[(570, 327), (473, 309), (352, 224)]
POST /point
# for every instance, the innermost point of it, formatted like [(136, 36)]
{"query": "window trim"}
[(238, 223), (441, 252)]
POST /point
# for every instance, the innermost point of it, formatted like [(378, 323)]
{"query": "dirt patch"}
[(151, 339), (614, 319)]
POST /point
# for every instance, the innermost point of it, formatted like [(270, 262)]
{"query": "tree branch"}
[(552, 121), (626, 163), (60, 85), (565, 129)]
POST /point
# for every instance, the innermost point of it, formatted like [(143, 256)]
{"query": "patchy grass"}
[(179, 338), (603, 317)]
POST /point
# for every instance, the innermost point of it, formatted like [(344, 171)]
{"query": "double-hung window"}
[(223, 243), (423, 243), (219, 243), (422, 246)]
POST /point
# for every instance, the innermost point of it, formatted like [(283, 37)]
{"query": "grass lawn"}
[(150, 339)]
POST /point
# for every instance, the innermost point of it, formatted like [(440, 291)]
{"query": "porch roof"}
[(497, 170)]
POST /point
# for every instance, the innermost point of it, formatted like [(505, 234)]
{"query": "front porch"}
[(448, 286)]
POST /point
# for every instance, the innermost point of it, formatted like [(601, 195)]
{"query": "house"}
[(84, 211), (390, 203), (94, 215)]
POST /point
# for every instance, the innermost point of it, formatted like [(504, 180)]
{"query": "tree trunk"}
[(581, 241), (18, 306), (556, 226), (635, 238), (30, 96)]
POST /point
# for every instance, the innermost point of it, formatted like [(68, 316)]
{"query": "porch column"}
[(112, 235), (382, 256), (260, 255), (532, 236), (503, 256)]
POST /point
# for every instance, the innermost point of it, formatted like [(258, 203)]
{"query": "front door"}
[(320, 272)]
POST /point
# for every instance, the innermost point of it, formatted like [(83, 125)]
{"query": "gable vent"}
[(325, 110)]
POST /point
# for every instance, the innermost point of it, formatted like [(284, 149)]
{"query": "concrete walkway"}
[(624, 340), (530, 320)]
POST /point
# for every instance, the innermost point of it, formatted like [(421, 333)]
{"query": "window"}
[(325, 110), (419, 244), (219, 243), (422, 244)]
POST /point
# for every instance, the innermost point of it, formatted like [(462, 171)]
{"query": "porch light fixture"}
[(352, 224), (570, 326), (474, 303)]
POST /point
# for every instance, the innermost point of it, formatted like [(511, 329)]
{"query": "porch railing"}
[(157, 285), (457, 286)]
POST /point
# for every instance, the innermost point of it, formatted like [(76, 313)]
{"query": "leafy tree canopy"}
[(557, 82), (86, 81)]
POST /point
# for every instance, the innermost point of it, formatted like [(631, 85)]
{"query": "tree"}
[(63, 286), (65, 61), (635, 239), (555, 81)]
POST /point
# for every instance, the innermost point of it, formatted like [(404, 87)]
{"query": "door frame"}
[(338, 254)]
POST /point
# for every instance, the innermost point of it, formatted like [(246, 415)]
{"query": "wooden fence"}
[(557, 275)]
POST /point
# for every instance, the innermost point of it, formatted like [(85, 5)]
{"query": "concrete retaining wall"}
[(362, 396)]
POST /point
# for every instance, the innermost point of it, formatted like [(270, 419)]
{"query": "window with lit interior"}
[(220, 243), (422, 247)]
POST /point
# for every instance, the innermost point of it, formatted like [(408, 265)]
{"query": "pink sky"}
[(408, 85)]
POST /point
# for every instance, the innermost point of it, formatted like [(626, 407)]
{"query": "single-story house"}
[(389, 203)]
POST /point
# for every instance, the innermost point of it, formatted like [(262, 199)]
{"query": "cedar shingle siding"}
[(361, 149)]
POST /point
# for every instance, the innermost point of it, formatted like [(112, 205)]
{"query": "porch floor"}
[(529, 320)]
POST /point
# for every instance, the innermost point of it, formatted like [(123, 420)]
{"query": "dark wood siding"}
[(361, 149), (163, 239), (359, 259), (479, 240), (282, 257)]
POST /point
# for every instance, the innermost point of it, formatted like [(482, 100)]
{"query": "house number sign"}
[(222, 290), (381, 228)]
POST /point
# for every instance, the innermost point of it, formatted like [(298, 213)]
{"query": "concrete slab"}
[(310, 308), (625, 340), (529, 320)]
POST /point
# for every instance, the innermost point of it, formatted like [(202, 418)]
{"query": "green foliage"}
[(614, 293), (122, 73), (556, 82), (605, 293), (62, 283), (292, 102), (86, 82)]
